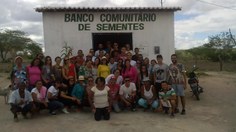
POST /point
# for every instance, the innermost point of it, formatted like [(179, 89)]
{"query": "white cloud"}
[(203, 19)]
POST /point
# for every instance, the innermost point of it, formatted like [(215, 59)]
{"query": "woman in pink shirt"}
[(130, 71), (34, 73)]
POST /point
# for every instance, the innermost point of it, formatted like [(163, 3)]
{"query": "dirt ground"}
[(215, 112)]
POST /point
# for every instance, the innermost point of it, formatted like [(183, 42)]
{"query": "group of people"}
[(108, 79)]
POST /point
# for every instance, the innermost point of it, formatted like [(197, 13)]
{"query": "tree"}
[(222, 44), (32, 49), (12, 41)]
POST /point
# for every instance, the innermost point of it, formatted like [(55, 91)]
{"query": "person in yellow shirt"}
[(103, 68)]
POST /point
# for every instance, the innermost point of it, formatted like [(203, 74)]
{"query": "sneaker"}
[(53, 113), (183, 112), (172, 115), (65, 111), (176, 110), (16, 118)]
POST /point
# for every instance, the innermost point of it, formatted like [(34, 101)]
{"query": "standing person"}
[(112, 64), (128, 94), (167, 98), (100, 100), (68, 70), (136, 54), (148, 95), (114, 90), (87, 94), (128, 49), (53, 97), (34, 73), (21, 101), (151, 71), (178, 81), (129, 56), (117, 76), (103, 68), (47, 77), (95, 68), (123, 54), (40, 56), (130, 71), (100, 48), (161, 71), (57, 69), (18, 73), (88, 69)]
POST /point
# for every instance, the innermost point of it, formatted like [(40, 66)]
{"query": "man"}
[(167, 98), (160, 72), (78, 91), (21, 101), (128, 94), (100, 48), (178, 81), (136, 54)]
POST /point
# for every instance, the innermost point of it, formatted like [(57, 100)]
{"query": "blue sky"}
[(197, 20)]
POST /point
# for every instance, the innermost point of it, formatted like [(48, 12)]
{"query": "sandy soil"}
[(215, 112)]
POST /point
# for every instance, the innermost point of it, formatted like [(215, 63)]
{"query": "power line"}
[(213, 4)]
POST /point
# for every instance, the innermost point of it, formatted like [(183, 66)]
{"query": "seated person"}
[(148, 95), (78, 91), (66, 98), (39, 94), (167, 98), (52, 95), (21, 101), (127, 94)]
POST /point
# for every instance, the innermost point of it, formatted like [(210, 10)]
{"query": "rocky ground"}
[(215, 112)]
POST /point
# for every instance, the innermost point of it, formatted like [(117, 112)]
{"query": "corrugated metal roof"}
[(102, 9)]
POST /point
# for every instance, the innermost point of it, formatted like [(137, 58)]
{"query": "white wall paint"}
[(158, 33)]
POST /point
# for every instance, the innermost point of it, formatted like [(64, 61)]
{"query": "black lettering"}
[(99, 27), (67, 17)]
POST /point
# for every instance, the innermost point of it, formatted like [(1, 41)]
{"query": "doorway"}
[(120, 38)]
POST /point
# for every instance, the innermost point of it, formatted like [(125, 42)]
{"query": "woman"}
[(120, 64), (116, 76), (18, 73), (87, 94), (57, 69), (114, 90), (68, 70), (100, 100), (130, 71), (95, 68), (52, 95), (47, 72), (34, 73), (88, 69), (65, 96), (148, 95), (39, 95), (151, 70), (103, 68)]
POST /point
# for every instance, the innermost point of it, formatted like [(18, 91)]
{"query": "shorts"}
[(179, 89)]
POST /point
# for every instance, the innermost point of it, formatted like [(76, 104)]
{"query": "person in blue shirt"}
[(78, 91)]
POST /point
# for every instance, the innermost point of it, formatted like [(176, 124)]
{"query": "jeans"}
[(142, 102)]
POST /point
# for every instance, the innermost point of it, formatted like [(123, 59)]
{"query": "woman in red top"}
[(68, 70), (114, 90)]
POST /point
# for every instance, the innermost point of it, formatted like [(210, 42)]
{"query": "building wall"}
[(155, 33)]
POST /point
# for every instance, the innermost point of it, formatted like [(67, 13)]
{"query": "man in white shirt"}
[(21, 101), (128, 94)]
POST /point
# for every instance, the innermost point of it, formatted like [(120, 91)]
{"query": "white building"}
[(151, 29)]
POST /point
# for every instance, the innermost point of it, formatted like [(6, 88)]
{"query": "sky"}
[(197, 20)]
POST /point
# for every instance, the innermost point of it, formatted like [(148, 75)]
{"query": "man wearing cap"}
[(78, 90), (21, 101)]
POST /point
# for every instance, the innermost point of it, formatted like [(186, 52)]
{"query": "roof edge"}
[(102, 9)]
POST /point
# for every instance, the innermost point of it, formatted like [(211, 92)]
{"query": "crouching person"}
[(39, 94), (149, 96), (100, 100), (128, 94), (52, 95), (167, 98), (21, 101)]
